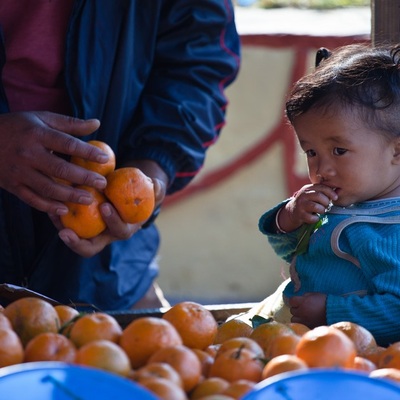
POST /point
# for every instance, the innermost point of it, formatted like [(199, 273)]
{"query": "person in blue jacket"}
[(146, 77), (341, 233)]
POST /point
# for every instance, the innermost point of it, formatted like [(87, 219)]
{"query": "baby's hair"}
[(358, 77)]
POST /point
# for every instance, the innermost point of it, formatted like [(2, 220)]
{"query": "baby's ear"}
[(396, 151)]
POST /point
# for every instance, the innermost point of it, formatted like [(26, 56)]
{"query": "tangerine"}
[(195, 324), (68, 315), (85, 219), (392, 374), (102, 169), (209, 386), (206, 360), (283, 363), (11, 348), (326, 346), (390, 356), (157, 370), (95, 326), (50, 346), (164, 389), (361, 337), (239, 388), (235, 364), (265, 334), (374, 354), (298, 328), (105, 355), (4, 322), (284, 344), (183, 360), (30, 316), (231, 329), (144, 336), (363, 364), (241, 343), (132, 193)]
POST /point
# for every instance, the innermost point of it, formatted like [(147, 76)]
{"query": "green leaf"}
[(306, 233), (258, 320)]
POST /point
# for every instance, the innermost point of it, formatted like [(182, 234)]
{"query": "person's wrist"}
[(277, 225)]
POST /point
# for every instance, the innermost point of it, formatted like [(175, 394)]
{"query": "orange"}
[(239, 388), (85, 219), (30, 316), (298, 328), (164, 389), (66, 313), (326, 346), (132, 193), (195, 324), (95, 326), (241, 343), (363, 364), (374, 354), (283, 363), (11, 349), (284, 344), (157, 370), (50, 346), (390, 357), (212, 349), (206, 360), (209, 386), (67, 316), (183, 360), (231, 329), (4, 322), (106, 355), (102, 169), (234, 364), (362, 338), (144, 336), (265, 334), (392, 374)]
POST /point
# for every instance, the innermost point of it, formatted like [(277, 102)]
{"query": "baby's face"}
[(347, 155)]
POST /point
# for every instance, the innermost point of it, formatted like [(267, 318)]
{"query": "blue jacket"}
[(154, 73), (353, 257)]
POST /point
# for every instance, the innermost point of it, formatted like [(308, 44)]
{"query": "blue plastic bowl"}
[(323, 384), (60, 381)]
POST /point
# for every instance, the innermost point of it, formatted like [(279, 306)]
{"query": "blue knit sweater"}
[(354, 258)]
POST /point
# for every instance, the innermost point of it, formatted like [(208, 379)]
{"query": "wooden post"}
[(385, 21)]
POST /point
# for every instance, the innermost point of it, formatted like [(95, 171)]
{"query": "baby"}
[(341, 232)]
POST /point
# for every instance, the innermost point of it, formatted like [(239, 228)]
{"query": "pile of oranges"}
[(129, 190), (185, 354)]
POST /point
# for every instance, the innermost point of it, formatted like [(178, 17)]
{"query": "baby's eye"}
[(310, 153), (338, 151)]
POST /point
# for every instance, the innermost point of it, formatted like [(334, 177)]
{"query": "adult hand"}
[(309, 309), (116, 228), (29, 144)]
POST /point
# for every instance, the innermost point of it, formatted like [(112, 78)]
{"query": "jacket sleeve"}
[(183, 105), (285, 244)]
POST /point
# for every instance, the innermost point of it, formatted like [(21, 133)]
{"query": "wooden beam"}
[(385, 21)]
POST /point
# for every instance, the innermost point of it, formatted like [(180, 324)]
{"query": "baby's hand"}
[(306, 206), (309, 309)]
